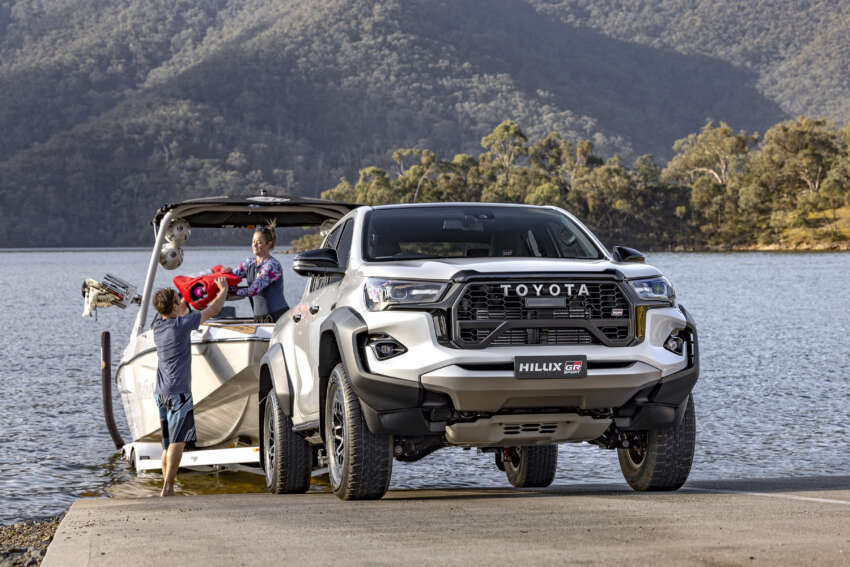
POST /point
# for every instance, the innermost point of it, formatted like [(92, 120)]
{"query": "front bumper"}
[(488, 391), (418, 392)]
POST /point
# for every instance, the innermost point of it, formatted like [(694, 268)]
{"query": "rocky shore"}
[(24, 544)]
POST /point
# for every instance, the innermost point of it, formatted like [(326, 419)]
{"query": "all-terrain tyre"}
[(287, 457), (533, 466), (662, 458), (360, 463)]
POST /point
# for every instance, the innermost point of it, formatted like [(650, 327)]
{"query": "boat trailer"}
[(148, 456)]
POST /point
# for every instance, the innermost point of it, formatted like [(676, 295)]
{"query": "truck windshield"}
[(402, 233)]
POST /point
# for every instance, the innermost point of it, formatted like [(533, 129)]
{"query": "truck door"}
[(321, 305), (304, 319)]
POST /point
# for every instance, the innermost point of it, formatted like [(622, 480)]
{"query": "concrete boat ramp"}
[(767, 522)]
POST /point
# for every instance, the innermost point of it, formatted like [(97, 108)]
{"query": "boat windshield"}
[(401, 233)]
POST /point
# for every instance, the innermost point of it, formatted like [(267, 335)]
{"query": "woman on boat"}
[(264, 275)]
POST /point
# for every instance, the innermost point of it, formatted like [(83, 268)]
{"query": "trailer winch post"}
[(106, 387)]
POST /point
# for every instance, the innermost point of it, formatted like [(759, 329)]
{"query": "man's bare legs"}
[(170, 464), (164, 470)]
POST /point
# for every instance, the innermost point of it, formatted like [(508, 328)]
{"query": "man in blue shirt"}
[(173, 393)]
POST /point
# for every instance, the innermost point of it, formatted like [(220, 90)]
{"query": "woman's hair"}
[(268, 231), (165, 299)]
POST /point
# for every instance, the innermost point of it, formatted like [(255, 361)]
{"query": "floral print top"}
[(269, 271)]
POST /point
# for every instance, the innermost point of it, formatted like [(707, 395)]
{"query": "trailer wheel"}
[(286, 455)]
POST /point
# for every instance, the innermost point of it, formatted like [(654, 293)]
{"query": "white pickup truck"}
[(505, 327)]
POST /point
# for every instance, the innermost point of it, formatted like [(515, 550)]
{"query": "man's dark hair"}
[(165, 299)]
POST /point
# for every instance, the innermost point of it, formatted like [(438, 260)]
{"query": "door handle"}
[(314, 309), (296, 317)]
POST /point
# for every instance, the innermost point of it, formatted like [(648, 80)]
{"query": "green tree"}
[(715, 152), (795, 160), (713, 163), (505, 145), (459, 180), (835, 192)]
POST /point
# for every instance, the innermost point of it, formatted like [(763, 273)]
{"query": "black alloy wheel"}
[(360, 462), (661, 459), (287, 457)]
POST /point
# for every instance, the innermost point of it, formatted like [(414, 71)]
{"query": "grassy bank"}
[(824, 230)]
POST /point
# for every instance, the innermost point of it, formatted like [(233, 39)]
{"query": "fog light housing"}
[(385, 347), (675, 343)]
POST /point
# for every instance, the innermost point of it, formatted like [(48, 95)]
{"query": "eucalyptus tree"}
[(713, 163), (795, 160)]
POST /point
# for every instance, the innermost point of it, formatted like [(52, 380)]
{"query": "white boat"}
[(226, 350)]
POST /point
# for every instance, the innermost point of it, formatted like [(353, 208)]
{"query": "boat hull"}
[(225, 379)]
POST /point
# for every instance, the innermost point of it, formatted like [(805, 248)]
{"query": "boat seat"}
[(227, 312)]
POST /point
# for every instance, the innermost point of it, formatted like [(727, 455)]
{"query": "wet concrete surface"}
[(794, 521)]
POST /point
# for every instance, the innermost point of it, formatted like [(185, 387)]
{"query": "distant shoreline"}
[(120, 249), (842, 246)]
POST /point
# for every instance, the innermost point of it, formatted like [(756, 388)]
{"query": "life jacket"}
[(271, 299), (200, 289)]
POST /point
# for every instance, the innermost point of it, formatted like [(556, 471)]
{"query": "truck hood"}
[(460, 268)]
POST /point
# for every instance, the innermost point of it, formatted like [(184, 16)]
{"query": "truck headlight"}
[(381, 293), (654, 289)]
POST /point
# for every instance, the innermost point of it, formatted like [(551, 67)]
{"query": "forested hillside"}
[(798, 51), (108, 108), (722, 190)]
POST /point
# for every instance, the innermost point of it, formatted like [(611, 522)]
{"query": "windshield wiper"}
[(414, 257)]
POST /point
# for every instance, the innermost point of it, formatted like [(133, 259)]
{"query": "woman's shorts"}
[(177, 419)]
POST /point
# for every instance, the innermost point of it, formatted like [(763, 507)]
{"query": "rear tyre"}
[(360, 463), (286, 455), (528, 467), (661, 459)]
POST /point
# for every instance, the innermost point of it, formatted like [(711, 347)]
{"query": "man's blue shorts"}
[(177, 419)]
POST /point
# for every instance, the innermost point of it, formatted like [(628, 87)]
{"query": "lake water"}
[(772, 401)]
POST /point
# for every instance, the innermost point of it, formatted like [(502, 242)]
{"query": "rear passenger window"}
[(343, 249), (340, 240)]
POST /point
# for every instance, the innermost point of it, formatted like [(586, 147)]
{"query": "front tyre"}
[(661, 459), (360, 463), (286, 455), (528, 467)]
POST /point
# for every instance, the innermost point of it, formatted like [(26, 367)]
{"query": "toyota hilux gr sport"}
[(510, 328)]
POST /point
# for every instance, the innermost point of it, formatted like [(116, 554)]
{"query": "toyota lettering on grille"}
[(523, 290)]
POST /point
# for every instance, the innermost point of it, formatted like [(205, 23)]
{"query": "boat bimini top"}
[(248, 212), (172, 224)]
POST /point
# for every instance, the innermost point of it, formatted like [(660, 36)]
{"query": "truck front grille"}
[(551, 312)]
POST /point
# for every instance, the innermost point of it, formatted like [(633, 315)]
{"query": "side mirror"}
[(626, 254), (319, 262)]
